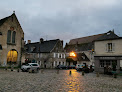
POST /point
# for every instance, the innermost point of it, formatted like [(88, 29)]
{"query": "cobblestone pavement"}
[(51, 81)]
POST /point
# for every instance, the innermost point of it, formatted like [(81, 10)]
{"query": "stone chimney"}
[(29, 41), (41, 40)]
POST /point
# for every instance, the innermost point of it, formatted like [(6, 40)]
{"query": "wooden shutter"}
[(113, 47), (106, 47)]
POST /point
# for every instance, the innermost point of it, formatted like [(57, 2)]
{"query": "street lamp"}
[(72, 54)]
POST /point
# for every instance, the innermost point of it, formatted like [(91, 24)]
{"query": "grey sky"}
[(64, 19)]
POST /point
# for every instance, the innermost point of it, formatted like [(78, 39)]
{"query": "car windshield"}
[(34, 65)]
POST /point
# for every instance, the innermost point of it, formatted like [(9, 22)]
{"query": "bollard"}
[(83, 73), (42, 71), (11, 68), (70, 72), (57, 71), (115, 75), (6, 68), (30, 70), (97, 74), (18, 70)]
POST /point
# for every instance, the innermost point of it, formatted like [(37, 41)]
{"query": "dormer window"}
[(108, 33), (32, 48)]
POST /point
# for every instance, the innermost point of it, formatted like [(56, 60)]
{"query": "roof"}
[(82, 57), (86, 39), (43, 47), (79, 47), (108, 36), (3, 20), (86, 43)]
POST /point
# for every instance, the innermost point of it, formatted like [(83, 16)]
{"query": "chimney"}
[(41, 40), (24, 42), (29, 41)]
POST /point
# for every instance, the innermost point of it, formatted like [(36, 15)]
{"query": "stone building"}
[(84, 47), (48, 54), (108, 51), (11, 41)]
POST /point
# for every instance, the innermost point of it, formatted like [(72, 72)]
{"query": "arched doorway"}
[(12, 56)]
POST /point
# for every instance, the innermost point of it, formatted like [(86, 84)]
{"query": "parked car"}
[(61, 67), (71, 67), (79, 67), (33, 66)]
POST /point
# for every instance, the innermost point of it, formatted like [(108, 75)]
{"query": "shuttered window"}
[(110, 47)]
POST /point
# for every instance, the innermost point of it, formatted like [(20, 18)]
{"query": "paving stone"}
[(50, 81)]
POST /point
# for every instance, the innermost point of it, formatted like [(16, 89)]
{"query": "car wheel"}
[(28, 69), (22, 70)]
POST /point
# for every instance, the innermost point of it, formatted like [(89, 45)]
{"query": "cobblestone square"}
[(51, 81)]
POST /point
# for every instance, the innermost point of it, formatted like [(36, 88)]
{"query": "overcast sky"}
[(64, 19)]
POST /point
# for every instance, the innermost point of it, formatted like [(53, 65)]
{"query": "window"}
[(54, 55), (13, 37), (110, 47), (9, 36), (104, 63)]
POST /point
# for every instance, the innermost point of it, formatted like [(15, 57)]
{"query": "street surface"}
[(50, 80)]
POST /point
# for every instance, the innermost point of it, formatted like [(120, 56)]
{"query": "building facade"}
[(48, 54), (84, 47), (11, 41), (107, 52)]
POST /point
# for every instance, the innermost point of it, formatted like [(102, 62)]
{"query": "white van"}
[(79, 67)]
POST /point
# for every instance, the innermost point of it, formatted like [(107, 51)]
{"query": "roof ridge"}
[(88, 36)]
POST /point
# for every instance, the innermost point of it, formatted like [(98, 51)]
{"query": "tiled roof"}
[(107, 36), (86, 43), (86, 39), (3, 20), (82, 57), (79, 47), (44, 47)]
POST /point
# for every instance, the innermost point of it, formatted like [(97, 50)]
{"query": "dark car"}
[(71, 67), (61, 67)]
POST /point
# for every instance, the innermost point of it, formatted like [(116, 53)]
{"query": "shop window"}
[(102, 63)]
